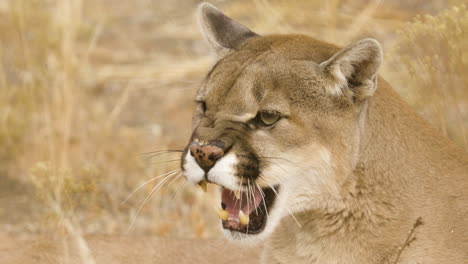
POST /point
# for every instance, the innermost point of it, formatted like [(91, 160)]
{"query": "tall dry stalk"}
[(53, 71)]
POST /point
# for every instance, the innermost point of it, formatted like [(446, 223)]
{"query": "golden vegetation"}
[(429, 65), (78, 111), (87, 87)]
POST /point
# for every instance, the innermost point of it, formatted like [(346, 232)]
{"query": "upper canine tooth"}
[(243, 218), (203, 185), (237, 194), (223, 214)]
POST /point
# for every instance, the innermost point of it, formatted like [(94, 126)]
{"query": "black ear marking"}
[(221, 32)]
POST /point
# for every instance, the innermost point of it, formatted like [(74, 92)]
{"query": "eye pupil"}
[(268, 119)]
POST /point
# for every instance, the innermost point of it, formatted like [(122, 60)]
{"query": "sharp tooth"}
[(237, 193), (223, 214), (243, 218), (203, 185)]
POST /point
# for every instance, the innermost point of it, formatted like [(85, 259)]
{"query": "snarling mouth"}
[(246, 211)]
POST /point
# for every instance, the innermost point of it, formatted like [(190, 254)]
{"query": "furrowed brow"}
[(236, 118)]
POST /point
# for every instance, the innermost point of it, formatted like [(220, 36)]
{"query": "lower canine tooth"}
[(223, 214), (237, 194), (243, 218)]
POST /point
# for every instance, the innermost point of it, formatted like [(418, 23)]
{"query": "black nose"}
[(206, 155)]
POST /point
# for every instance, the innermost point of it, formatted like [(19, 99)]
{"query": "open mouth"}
[(246, 212)]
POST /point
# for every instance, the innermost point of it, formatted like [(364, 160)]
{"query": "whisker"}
[(161, 151), (242, 184), (143, 184), (253, 196), (154, 190), (276, 165), (153, 154), (235, 202), (279, 158), (287, 208), (181, 183), (248, 195), (263, 198), (150, 195), (166, 161)]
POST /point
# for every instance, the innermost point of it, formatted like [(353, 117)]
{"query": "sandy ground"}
[(124, 249)]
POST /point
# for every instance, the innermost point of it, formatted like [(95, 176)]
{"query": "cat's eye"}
[(268, 118)]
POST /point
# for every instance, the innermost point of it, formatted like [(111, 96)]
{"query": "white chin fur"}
[(192, 171)]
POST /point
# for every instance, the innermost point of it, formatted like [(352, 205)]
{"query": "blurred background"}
[(96, 99)]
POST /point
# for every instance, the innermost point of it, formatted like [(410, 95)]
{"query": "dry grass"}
[(431, 60), (88, 86), (80, 110)]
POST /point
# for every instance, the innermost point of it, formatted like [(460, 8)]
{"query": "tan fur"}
[(415, 173), (356, 165)]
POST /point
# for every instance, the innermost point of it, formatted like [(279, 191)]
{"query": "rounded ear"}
[(355, 67), (221, 32)]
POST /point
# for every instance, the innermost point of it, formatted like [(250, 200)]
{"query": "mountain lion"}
[(318, 158)]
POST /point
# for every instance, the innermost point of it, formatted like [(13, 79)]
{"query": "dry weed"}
[(428, 66)]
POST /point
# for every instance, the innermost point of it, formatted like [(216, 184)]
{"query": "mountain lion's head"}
[(278, 122)]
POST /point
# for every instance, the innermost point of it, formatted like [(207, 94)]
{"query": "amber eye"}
[(268, 118)]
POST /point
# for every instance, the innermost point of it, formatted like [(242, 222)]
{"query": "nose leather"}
[(206, 155)]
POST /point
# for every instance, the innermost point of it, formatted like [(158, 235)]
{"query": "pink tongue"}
[(247, 205)]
